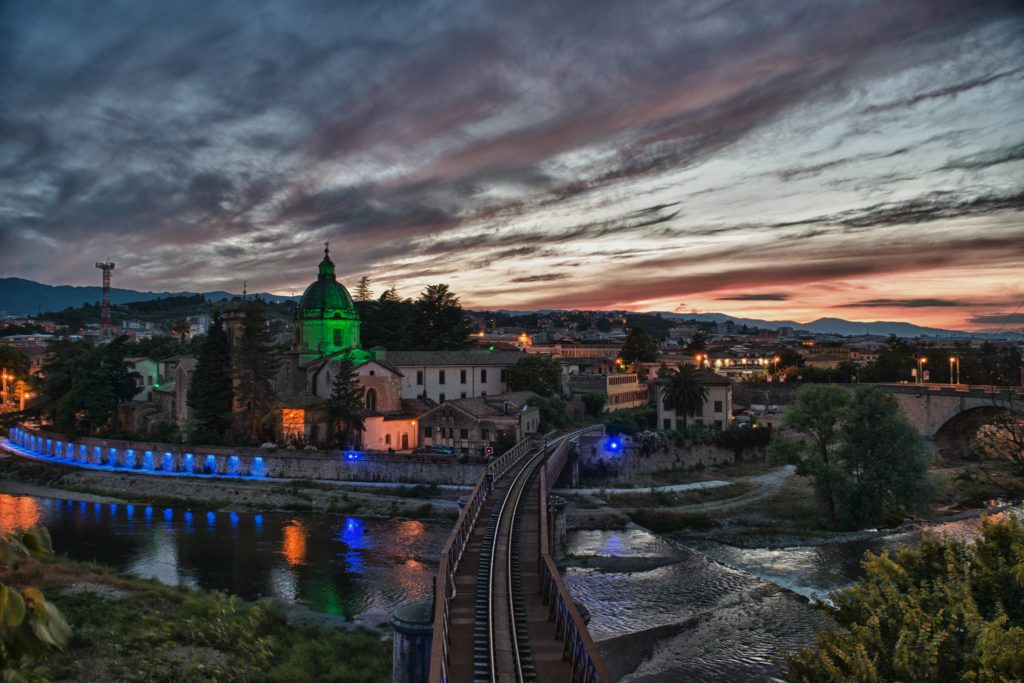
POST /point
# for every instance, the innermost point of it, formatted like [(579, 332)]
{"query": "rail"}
[(577, 645), (453, 550)]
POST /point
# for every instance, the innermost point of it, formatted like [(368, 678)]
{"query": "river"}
[(357, 568), (706, 611)]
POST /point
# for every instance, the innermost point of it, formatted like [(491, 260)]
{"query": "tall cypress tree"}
[(210, 394), (441, 324), (256, 363), (346, 407)]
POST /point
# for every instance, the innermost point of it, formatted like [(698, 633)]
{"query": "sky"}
[(780, 160)]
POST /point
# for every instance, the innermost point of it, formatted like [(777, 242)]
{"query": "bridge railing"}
[(577, 645), (453, 550)]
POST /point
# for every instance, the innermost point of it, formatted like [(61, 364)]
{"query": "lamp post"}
[(24, 395), (920, 369), (954, 360), (5, 376)]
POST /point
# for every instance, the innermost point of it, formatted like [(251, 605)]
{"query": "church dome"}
[(327, 298)]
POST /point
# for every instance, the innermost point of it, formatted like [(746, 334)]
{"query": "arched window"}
[(371, 400)]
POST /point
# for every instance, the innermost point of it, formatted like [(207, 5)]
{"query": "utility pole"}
[(105, 325)]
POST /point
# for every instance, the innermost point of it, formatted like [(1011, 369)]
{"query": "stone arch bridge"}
[(949, 416)]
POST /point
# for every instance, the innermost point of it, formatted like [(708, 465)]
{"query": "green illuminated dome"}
[(328, 321), (327, 298)]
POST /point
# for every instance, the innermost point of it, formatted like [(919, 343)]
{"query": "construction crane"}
[(105, 325)]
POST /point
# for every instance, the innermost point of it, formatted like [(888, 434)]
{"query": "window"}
[(485, 434), (419, 378), (718, 424), (372, 373), (440, 377), (718, 406), (426, 432), (440, 398), (387, 439), (483, 375), (463, 433), (337, 337), (501, 377), (462, 376), (483, 393), (462, 395), (149, 380), (371, 401)]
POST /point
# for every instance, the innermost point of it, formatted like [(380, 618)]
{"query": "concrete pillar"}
[(557, 527), (413, 626)]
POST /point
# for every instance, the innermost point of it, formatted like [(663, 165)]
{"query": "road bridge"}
[(947, 416), (501, 610)]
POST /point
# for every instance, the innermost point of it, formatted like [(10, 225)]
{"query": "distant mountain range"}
[(26, 297)]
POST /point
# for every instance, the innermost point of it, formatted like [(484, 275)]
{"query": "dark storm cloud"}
[(755, 297), (998, 319), (905, 303), (435, 135)]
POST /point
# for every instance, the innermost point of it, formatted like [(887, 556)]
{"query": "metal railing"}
[(453, 550), (577, 645)]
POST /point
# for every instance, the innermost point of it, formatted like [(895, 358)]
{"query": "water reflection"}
[(354, 567)]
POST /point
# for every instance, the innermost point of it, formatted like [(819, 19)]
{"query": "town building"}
[(716, 411), (468, 426), (440, 376)]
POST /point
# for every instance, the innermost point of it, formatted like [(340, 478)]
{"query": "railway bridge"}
[(501, 610)]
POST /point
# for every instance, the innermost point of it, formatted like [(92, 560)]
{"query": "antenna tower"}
[(105, 325)]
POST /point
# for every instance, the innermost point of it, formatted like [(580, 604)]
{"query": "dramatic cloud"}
[(535, 153)]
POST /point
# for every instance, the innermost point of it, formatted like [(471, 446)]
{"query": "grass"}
[(127, 629), (728, 471)]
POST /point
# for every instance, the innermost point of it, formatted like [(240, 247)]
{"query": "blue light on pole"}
[(613, 445), (352, 455)]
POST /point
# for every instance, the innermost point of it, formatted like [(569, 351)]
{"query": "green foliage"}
[(867, 461), (742, 438), (948, 611), (441, 324), (685, 392), (554, 412), (363, 292), (537, 373), (29, 624), (255, 365), (346, 407), (639, 347), (593, 403), (789, 358), (14, 361), (210, 392), (630, 422), (83, 384)]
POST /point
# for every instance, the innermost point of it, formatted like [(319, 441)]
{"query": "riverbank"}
[(130, 629), (27, 477)]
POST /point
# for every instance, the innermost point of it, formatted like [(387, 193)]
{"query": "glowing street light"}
[(954, 360), (920, 369)]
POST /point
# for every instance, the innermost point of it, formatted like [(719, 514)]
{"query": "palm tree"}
[(685, 393)]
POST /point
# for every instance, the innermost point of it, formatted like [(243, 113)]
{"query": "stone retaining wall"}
[(632, 466), (215, 461)]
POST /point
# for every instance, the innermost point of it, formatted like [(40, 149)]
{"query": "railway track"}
[(501, 646)]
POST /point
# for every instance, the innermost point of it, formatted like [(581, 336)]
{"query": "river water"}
[(357, 568), (706, 611)]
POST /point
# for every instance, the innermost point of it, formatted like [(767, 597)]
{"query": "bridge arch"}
[(953, 437)]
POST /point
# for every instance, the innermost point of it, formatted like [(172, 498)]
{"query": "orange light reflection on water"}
[(18, 513), (295, 543)]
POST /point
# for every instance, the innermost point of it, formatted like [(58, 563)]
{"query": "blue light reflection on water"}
[(351, 566)]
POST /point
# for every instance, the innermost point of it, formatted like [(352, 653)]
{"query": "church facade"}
[(326, 333)]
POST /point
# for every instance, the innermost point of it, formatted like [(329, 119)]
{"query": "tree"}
[(346, 407), (255, 365), (593, 403), (14, 362), (816, 414), (210, 393), (441, 324), (685, 393), (788, 358), (97, 381), (363, 292), (867, 461), (948, 611), (697, 343), (554, 412), (537, 373), (639, 347), (180, 328), (884, 457)]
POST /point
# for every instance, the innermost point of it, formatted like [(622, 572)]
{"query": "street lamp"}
[(954, 360), (920, 369), (24, 395)]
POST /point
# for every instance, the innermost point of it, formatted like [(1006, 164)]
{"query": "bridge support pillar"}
[(413, 626), (557, 525)]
